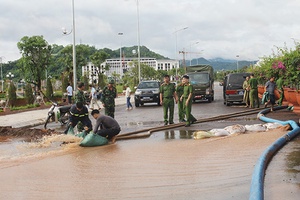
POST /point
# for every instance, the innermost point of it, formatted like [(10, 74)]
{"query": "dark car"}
[(233, 88), (147, 92)]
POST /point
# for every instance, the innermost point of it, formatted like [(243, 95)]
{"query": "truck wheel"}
[(227, 103), (137, 104), (209, 99)]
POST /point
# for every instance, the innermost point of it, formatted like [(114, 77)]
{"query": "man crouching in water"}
[(79, 113), (109, 127)]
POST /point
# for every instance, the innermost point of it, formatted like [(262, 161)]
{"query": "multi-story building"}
[(120, 67)]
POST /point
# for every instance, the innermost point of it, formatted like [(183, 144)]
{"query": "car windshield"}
[(199, 78), (144, 85), (236, 80)]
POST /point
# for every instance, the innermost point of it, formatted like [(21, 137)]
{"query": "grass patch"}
[(25, 107)]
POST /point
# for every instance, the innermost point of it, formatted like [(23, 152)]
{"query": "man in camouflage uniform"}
[(179, 93), (187, 100), (79, 96), (167, 95), (109, 94)]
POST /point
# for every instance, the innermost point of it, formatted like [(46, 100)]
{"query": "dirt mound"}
[(25, 132)]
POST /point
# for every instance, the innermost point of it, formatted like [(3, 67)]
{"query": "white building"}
[(120, 67)]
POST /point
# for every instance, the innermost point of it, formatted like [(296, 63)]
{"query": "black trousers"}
[(108, 133)]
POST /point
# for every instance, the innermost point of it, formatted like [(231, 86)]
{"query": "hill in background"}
[(217, 63)]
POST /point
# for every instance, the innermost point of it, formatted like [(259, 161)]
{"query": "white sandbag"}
[(256, 128), (202, 134), (274, 125), (219, 132), (235, 129)]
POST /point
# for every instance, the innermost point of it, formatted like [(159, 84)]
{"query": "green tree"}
[(97, 59), (36, 55), (49, 89), (86, 82), (29, 94), (12, 96), (65, 81), (116, 77)]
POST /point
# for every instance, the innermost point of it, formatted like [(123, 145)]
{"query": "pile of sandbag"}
[(235, 129), (89, 139)]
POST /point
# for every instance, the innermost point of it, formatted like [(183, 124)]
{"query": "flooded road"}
[(168, 165)]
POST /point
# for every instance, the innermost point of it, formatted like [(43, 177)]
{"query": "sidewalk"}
[(36, 117)]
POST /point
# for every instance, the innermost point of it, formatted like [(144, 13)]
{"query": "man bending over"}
[(109, 127)]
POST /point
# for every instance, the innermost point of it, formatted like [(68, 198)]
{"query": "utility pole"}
[(183, 58), (1, 74), (184, 54)]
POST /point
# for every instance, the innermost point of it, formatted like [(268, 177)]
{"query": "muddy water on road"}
[(168, 165), (283, 173)]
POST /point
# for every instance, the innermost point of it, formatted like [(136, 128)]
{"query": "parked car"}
[(147, 92), (233, 88)]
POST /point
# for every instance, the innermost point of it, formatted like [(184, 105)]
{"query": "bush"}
[(29, 94), (49, 89), (65, 82), (12, 96), (25, 107)]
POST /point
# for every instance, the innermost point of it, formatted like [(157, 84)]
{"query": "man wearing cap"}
[(167, 95), (109, 94), (79, 96), (187, 100), (179, 93), (79, 113)]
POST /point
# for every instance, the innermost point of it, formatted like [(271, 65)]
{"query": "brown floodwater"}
[(168, 165)]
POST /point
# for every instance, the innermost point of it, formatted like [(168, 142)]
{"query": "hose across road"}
[(257, 183), (143, 133)]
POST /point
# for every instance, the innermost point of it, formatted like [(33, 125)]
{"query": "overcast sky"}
[(216, 28)]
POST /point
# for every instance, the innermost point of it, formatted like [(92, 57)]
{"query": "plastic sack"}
[(202, 134), (70, 131), (219, 132), (256, 128), (235, 129), (270, 126), (82, 134), (265, 98), (92, 140)]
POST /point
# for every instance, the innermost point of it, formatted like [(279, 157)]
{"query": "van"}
[(233, 91)]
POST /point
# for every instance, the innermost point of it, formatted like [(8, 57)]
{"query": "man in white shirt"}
[(93, 96), (70, 93), (127, 95)]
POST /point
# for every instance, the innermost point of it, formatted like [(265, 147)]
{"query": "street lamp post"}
[(10, 76), (237, 63), (191, 51), (1, 74), (74, 47), (176, 49), (138, 38), (120, 34), (74, 51)]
